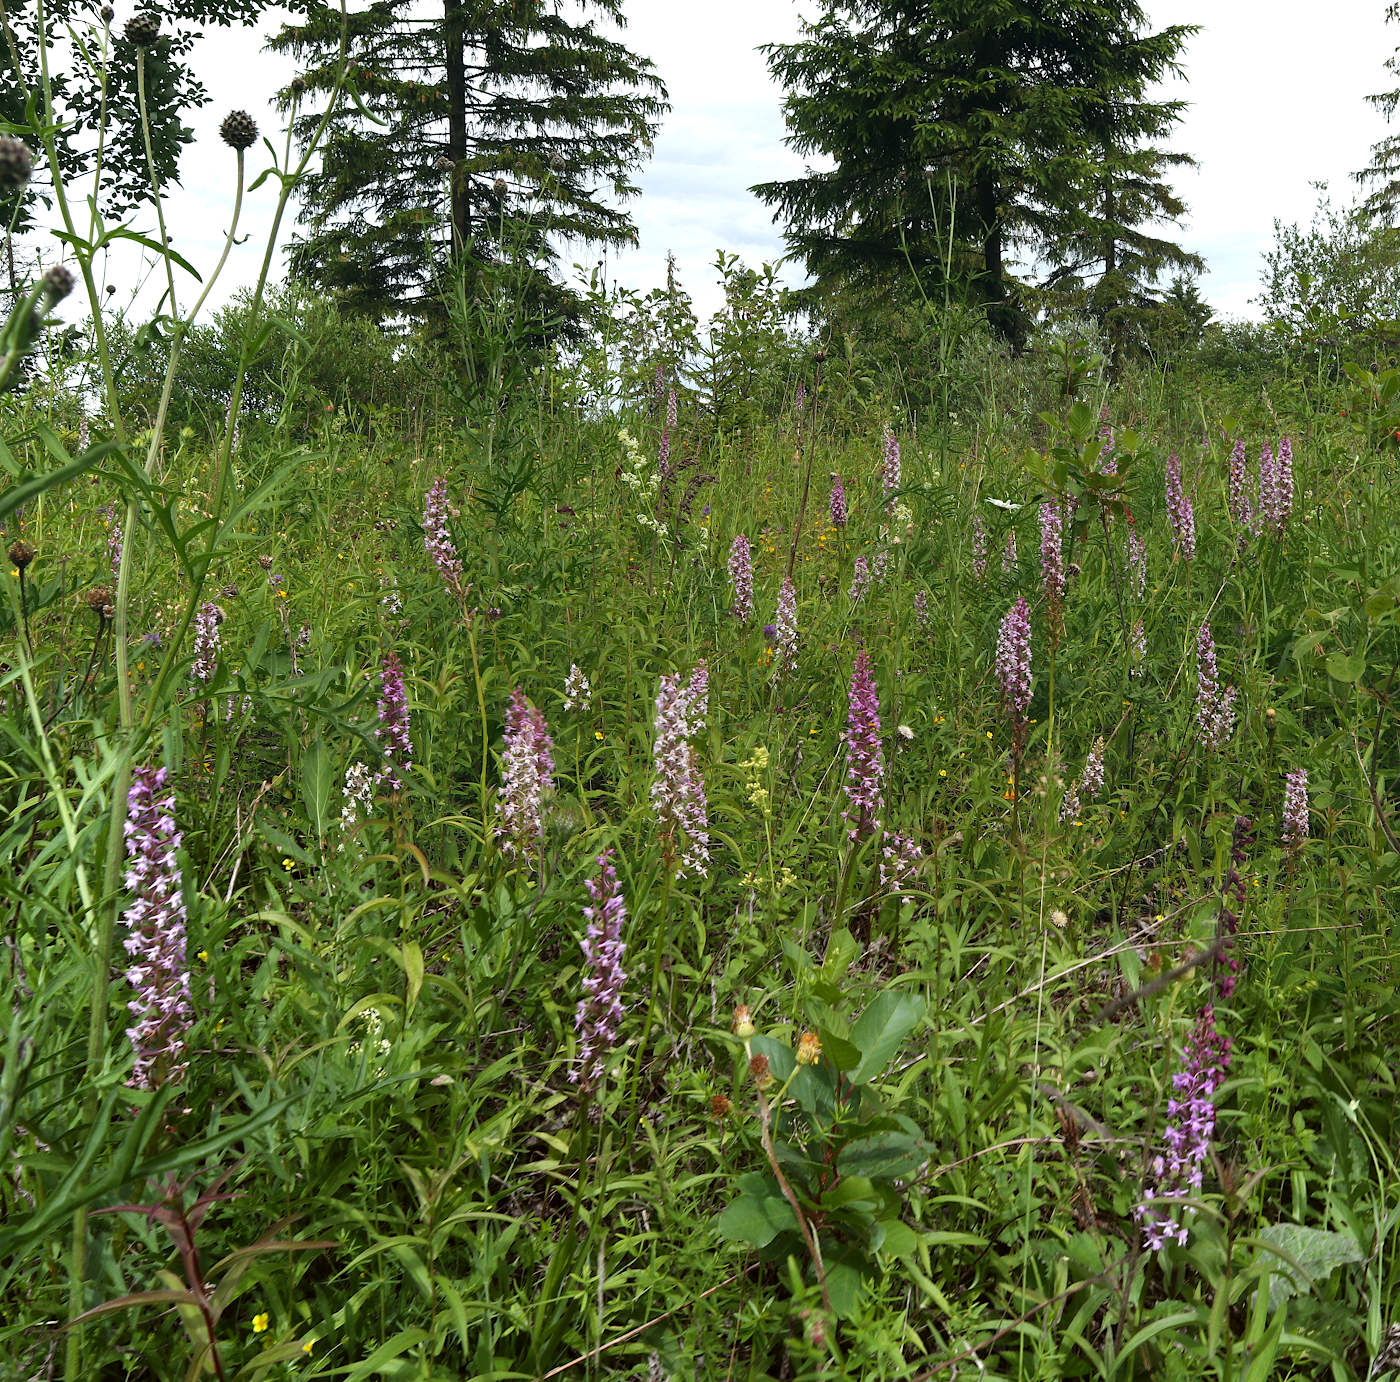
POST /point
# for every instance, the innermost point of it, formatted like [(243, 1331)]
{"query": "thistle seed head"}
[(21, 553), (238, 130), (143, 29), (16, 163)]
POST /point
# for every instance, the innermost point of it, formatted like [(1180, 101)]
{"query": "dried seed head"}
[(58, 283), (758, 1068), (298, 86), (443, 164), (1271, 721), (21, 553), (556, 161), (238, 130), (16, 163), (99, 600), (742, 1027), (720, 1105), (265, 563), (143, 29)]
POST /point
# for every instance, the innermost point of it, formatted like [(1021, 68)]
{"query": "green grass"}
[(383, 1035)]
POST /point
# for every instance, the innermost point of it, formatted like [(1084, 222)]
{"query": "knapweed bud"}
[(107, 14), (16, 163), (1270, 722), (809, 1049), (21, 553), (758, 1068), (238, 130), (499, 187), (742, 1027), (58, 283), (442, 163), (556, 162), (297, 86), (142, 29)]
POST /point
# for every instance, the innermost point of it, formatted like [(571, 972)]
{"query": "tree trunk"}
[(1003, 316), (457, 123)]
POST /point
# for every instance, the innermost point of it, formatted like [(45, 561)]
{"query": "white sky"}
[(1275, 86)]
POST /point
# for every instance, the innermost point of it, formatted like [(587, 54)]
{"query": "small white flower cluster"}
[(359, 793), (379, 1044), (576, 689), (643, 480)]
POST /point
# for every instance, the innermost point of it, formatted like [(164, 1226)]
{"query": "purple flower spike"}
[(860, 580), (865, 759), (1179, 510), (741, 575), (1215, 705), (155, 922), (206, 641), (979, 546), (785, 630), (678, 791), (1179, 1170), (1014, 659), (1295, 810), (527, 771), (889, 468), (1241, 505), (599, 1014), (437, 538), (393, 724), (839, 515)]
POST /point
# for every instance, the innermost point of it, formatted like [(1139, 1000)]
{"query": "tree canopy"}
[(961, 131), (482, 135)]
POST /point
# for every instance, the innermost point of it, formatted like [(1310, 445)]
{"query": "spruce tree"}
[(1382, 202), (482, 136), (1021, 124)]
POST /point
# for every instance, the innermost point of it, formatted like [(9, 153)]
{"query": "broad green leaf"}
[(880, 1030), (1304, 1256), (756, 1221), (883, 1155), (1346, 667)]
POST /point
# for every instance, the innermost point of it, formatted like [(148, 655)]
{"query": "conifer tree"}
[(1383, 201), (482, 135), (1021, 124)]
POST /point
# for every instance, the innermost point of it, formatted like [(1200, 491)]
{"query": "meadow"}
[(794, 849), (560, 958)]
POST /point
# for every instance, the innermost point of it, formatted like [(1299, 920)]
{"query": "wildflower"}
[(865, 762), (1179, 510), (1275, 486), (1008, 554), (576, 689), (889, 470), (114, 539), (979, 546), (860, 580), (356, 797), (742, 1026), (1137, 649), (785, 630), (437, 537), (879, 566), (800, 397), (1091, 779), (1137, 563), (921, 614), (206, 641), (1013, 665), (678, 791), (260, 1323), (741, 576), (393, 724), (1107, 443), (1226, 970), (1215, 714), (809, 1049), (155, 922), (599, 1012), (391, 600), (1295, 810), (670, 410), (1052, 562), (899, 862), (1069, 804), (1241, 506), (1178, 1171), (527, 772), (837, 503)]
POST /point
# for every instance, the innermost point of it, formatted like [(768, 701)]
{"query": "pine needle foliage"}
[(489, 129)]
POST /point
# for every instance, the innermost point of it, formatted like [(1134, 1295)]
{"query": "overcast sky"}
[(1275, 87)]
